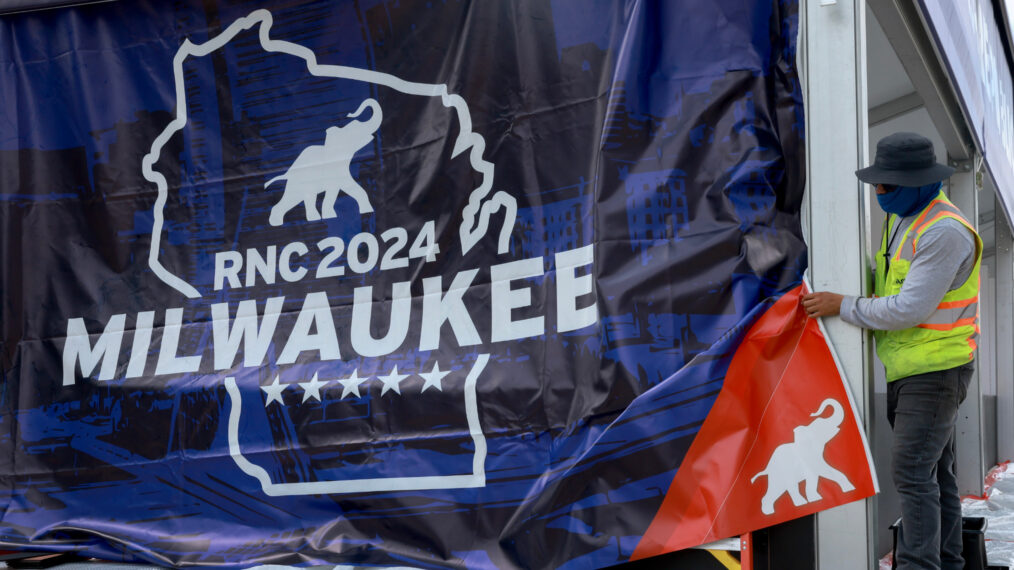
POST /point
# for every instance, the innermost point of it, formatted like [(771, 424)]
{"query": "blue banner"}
[(440, 284)]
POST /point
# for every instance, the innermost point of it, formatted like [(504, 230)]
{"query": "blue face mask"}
[(907, 200)]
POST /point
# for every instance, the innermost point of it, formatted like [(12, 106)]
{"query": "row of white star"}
[(351, 384)]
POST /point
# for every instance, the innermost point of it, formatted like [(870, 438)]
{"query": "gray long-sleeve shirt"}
[(943, 261)]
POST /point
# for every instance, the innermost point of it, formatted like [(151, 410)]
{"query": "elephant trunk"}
[(837, 413), (373, 123)]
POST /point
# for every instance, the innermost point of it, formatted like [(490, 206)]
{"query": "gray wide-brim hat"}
[(904, 159)]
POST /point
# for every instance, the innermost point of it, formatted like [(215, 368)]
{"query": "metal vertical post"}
[(968, 432), (746, 552), (835, 91), (1004, 341)]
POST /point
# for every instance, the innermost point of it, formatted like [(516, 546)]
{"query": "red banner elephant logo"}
[(802, 461)]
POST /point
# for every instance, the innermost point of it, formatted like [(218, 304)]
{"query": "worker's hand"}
[(822, 304)]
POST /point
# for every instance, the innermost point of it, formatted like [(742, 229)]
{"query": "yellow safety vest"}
[(947, 338)]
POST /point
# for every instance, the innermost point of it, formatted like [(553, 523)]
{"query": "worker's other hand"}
[(822, 304)]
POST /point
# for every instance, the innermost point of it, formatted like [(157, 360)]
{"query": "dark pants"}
[(922, 410)]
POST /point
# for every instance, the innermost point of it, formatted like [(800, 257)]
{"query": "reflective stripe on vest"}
[(946, 339)]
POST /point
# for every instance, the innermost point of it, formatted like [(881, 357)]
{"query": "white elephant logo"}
[(802, 461), (326, 169)]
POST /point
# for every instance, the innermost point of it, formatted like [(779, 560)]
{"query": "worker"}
[(925, 319)]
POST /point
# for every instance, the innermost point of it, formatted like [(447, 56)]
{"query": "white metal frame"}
[(1004, 342), (832, 65), (964, 192)]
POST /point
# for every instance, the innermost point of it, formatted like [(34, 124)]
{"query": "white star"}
[(274, 392), (311, 389), (433, 377), (392, 381), (352, 383)]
